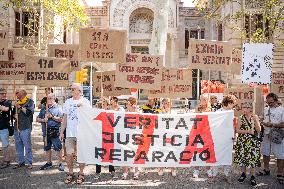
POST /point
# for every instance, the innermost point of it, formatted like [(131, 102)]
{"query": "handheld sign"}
[(176, 83), (209, 55), (236, 65), (277, 85), (14, 69), (47, 71), (140, 71), (102, 45), (4, 45), (68, 51), (107, 78)]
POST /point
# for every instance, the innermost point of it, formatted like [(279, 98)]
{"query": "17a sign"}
[(209, 55), (277, 85), (14, 69), (103, 45), (4, 45), (47, 71), (68, 51), (106, 80), (175, 83), (140, 71)]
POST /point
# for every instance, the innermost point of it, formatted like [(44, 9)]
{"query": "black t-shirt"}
[(5, 117)]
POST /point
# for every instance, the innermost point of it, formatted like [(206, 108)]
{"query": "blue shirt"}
[(54, 110)]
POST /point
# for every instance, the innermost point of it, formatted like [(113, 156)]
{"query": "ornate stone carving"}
[(97, 11), (171, 20), (141, 21)]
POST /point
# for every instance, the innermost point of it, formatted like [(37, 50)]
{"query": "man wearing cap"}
[(5, 117), (23, 128), (70, 122)]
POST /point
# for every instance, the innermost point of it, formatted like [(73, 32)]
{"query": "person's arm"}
[(256, 123), (4, 108), (63, 126)]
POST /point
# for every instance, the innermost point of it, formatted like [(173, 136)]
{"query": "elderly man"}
[(5, 117), (52, 121), (273, 118), (70, 122), (23, 128)]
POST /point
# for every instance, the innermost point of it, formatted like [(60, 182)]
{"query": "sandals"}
[(5, 164), (263, 173), (280, 179), (80, 179), (242, 178), (69, 179)]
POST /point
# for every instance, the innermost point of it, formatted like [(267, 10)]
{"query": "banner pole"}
[(46, 110), (102, 90), (16, 108), (91, 84)]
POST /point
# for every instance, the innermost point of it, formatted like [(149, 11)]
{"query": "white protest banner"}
[(4, 45), (102, 45), (209, 55), (257, 63), (14, 69), (68, 51), (175, 83), (277, 85), (151, 140), (108, 79), (47, 71), (141, 71)]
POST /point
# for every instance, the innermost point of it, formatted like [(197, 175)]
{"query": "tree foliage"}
[(41, 22), (271, 11)]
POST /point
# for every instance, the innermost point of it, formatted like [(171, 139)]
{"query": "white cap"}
[(77, 86)]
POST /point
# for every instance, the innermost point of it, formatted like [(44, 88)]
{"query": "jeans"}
[(23, 145)]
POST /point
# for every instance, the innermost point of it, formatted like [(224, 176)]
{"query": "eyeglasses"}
[(50, 98)]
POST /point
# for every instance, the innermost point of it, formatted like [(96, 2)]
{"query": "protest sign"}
[(247, 95), (154, 140), (108, 79), (4, 45), (209, 55), (175, 83), (277, 85), (68, 51), (103, 45), (14, 69), (140, 71), (236, 64), (257, 63), (47, 71)]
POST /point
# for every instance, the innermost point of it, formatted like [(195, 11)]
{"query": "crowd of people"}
[(254, 137)]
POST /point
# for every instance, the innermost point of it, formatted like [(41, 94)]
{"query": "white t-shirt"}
[(70, 108), (276, 117)]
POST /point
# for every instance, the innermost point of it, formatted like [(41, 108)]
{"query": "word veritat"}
[(198, 129)]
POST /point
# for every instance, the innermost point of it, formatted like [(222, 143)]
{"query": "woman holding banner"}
[(203, 106), (131, 106), (247, 148), (166, 109)]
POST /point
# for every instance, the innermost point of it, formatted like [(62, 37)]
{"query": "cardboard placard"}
[(68, 51), (175, 83), (257, 63), (209, 55), (141, 71), (108, 79), (236, 65), (277, 85), (47, 71), (103, 45), (4, 45), (14, 69), (249, 95)]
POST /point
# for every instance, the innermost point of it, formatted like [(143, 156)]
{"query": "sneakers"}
[(61, 167), (174, 172), (97, 176), (195, 173), (46, 166), (242, 177), (160, 172)]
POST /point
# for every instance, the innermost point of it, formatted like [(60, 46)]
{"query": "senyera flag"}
[(151, 140)]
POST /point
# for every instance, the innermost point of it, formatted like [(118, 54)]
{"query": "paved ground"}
[(24, 178)]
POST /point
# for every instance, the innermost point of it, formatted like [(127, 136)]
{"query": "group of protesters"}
[(252, 139)]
